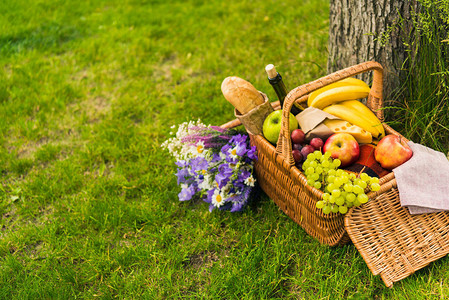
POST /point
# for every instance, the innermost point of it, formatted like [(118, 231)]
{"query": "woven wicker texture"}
[(393, 242)]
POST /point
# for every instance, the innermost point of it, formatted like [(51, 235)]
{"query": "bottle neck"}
[(281, 91), (279, 87)]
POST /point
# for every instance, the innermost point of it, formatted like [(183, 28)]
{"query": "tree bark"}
[(365, 30)]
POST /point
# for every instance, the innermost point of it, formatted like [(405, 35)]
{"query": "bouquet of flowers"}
[(214, 164)]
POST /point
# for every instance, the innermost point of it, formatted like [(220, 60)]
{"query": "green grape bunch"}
[(341, 190)]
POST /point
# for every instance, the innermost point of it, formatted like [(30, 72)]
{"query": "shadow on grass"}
[(45, 37)]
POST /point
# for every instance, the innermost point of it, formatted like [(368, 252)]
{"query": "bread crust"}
[(241, 94)]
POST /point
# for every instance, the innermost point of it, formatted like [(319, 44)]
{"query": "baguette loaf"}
[(241, 94)]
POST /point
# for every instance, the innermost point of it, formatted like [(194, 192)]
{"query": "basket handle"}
[(375, 103)]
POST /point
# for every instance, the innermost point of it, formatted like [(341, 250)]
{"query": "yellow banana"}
[(348, 113), (367, 113), (343, 82), (339, 94), (361, 135)]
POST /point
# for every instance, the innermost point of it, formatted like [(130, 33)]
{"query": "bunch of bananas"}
[(340, 99)]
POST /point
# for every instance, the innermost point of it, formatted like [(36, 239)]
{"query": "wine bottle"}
[(275, 79)]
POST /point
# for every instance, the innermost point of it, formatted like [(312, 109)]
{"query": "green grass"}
[(89, 91)]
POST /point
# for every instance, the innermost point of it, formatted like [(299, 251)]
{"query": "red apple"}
[(297, 136), (344, 147), (392, 151)]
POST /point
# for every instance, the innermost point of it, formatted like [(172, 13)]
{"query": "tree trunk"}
[(364, 30)]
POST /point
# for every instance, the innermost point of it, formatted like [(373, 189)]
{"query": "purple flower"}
[(223, 176), (211, 141), (191, 139), (215, 158), (244, 174), (240, 182), (239, 201), (208, 199), (231, 160), (252, 154), (198, 163), (218, 128), (212, 136), (240, 149), (186, 193), (238, 139), (181, 163), (237, 206), (182, 175), (209, 196), (225, 149)]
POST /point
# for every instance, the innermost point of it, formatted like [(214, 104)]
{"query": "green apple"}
[(272, 125)]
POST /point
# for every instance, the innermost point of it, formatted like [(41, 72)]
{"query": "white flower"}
[(190, 151), (206, 184), (233, 152), (200, 147), (176, 147), (250, 181), (237, 167), (207, 154), (181, 152), (227, 188), (218, 198), (222, 156)]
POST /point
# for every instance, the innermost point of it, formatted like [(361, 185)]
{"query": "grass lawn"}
[(88, 199)]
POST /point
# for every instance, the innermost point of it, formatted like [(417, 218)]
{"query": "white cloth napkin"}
[(423, 181)]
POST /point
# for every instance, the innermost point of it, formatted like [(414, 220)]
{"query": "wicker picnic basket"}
[(392, 242), (285, 184)]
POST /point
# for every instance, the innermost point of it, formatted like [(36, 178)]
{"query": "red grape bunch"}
[(300, 147)]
